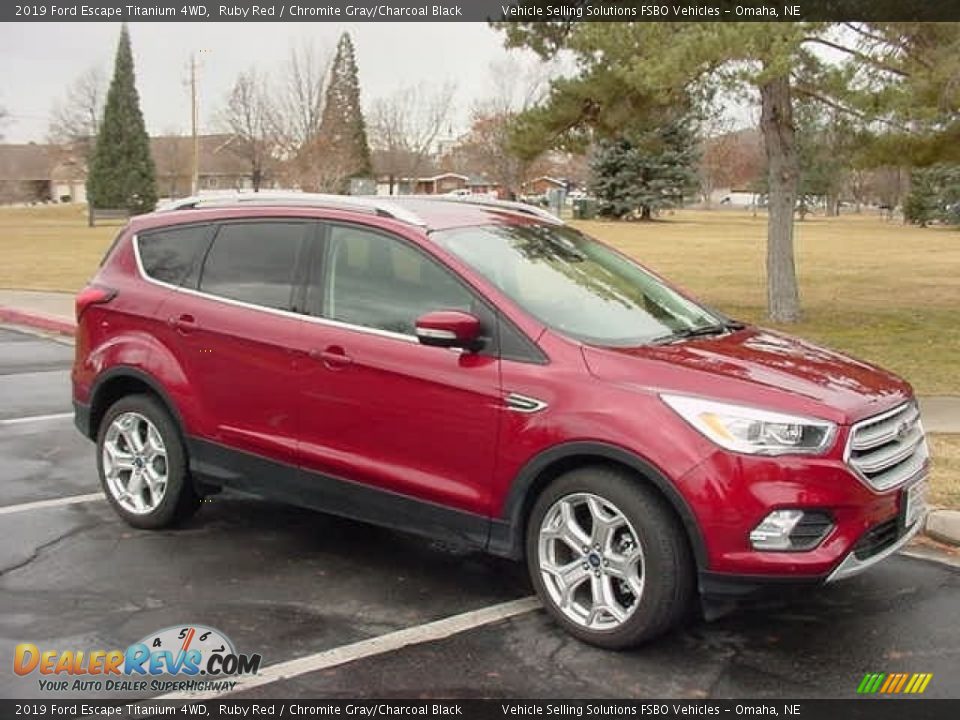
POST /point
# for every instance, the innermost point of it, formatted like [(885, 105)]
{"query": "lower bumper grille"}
[(877, 539)]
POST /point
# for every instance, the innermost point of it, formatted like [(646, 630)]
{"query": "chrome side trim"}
[(273, 311), (852, 566), (524, 403)]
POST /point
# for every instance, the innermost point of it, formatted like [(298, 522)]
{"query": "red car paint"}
[(431, 424)]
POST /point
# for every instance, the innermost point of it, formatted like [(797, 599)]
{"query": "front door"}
[(382, 411)]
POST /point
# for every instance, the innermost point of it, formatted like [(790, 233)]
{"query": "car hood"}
[(758, 367)]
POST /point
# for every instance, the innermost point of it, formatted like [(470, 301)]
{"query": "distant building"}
[(35, 173), (542, 185), (41, 173), (221, 167)]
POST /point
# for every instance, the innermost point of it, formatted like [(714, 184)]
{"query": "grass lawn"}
[(945, 478), (882, 291), (50, 248)]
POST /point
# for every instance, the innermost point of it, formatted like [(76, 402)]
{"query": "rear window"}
[(254, 262), (168, 255)]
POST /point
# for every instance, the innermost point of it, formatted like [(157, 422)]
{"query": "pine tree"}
[(122, 173), (645, 172), (343, 132)]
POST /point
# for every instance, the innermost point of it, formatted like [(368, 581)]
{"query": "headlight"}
[(754, 431)]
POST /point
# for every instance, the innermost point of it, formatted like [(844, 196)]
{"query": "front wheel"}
[(609, 558), (142, 464)]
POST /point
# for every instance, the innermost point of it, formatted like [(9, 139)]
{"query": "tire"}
[(638, 585), (142, 464)]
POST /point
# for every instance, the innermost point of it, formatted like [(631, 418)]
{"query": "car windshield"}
[(578, 286)]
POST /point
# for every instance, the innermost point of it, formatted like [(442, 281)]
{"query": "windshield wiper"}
[(703, 331)]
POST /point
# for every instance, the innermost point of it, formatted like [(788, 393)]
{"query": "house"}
[(441, 184), (221, 166), (543, 185), (25, 173)]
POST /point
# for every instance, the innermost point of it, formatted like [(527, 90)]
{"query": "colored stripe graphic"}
[(894, 683)]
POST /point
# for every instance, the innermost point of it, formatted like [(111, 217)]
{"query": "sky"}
[(40, 61)]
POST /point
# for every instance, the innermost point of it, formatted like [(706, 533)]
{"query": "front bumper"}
[(730, 494), (855, 562)]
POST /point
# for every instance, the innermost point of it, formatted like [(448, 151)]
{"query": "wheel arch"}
[(508, 531), (120, 381)]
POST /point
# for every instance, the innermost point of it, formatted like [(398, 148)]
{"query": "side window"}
[(379, 282), (168, 255), (254, 262)]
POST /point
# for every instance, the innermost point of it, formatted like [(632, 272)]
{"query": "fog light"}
[(791, 530)]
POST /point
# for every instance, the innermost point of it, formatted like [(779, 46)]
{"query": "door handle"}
[(183, 323), (333, 357)]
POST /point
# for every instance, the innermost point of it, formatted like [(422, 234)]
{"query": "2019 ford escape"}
[(483, 372)]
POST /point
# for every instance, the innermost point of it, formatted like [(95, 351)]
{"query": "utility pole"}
[(194, 114)]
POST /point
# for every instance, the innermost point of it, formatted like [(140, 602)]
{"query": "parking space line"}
[(36, 418), (55, 502), (429, 632)]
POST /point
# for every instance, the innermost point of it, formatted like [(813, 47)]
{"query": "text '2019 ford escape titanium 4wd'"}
[(480, 371)]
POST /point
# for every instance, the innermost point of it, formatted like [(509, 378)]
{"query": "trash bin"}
[(584, 209)]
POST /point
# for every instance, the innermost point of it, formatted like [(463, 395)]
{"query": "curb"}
[(37, 320), (943, 526)]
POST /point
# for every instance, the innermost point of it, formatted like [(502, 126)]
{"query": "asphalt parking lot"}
[(290, 583)]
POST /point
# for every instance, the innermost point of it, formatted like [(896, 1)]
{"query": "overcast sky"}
[(40, 60)]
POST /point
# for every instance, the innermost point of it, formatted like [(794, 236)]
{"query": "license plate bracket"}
[(913, 503)]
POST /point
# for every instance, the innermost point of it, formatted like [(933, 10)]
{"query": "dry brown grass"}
[(881, 291), (50, 248), (945, 478)]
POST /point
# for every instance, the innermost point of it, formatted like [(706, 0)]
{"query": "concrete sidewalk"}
[(50, 311)]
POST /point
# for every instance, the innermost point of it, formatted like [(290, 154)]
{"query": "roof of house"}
[(551, 180), (173, 155), (25, 163)]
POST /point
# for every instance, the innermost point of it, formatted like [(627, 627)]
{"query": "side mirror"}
[(449, 329)]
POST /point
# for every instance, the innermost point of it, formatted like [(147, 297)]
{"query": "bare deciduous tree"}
[(298, 102), (404, 129), (75, 120), (247, 116), (517, 86)]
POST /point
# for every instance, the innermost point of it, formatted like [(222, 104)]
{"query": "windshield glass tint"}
[(574, 284)]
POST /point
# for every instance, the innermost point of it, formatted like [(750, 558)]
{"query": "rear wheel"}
[(142, 464), (609, 558)]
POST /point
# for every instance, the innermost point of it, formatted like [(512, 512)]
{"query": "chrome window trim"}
[(262, 308)]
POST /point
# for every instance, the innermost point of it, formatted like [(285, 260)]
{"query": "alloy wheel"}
[(135, 463), (591, 561)]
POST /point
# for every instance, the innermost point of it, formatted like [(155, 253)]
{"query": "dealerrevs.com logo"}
[(180, 655)]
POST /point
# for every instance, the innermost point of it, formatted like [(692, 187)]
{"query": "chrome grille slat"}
[(890, 453), (880, 433), (888, 449)]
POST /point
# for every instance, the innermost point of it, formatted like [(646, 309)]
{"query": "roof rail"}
[(367, 204), (509, 205)]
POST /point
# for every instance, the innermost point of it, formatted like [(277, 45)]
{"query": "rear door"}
[(236, 330), (378, 408)]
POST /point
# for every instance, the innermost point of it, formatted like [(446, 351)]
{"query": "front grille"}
[(889, 449), (877, 539)]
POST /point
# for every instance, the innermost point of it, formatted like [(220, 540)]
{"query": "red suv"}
[(479, 371)]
